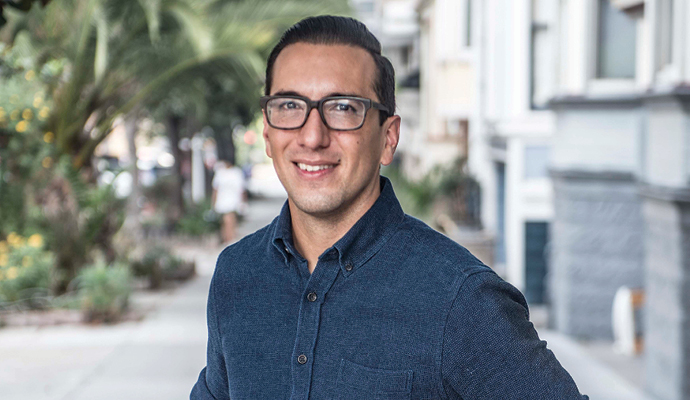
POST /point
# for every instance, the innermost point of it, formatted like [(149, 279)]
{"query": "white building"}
[(447, 84), (510, 142), (620, 164), (575, 116)]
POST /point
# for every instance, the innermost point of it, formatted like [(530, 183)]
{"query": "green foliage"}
[(149, 266), (104, 291), (159, 209), (124, 54), (26, 271), (26, 151), (462, 192), (447, 187), (159, 264), (68, 69), (78, 220), (198, 220), (23, 5), (416, 197)]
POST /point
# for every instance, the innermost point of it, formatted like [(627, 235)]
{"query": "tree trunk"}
[(132, 224), (174, 124), (224, 143)]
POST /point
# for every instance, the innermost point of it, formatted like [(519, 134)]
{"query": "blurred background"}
[(549, 137)]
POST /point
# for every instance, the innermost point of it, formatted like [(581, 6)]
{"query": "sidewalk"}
[(594, 377), (160, 357)]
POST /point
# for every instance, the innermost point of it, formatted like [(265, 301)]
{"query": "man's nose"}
[(314, 134)]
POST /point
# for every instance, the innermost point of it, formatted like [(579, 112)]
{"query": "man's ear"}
[(265, 133), (391, 130)]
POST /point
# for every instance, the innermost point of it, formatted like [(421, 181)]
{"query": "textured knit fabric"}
[(394, 310)]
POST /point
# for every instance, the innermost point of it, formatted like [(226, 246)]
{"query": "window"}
[(500, 246), (536, 263), (616, 43), (664, 33), (542, 59), (536, 162)]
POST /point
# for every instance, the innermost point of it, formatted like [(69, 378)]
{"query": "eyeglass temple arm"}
[(381, 107)]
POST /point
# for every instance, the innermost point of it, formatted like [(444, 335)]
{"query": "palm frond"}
[(152, 10)]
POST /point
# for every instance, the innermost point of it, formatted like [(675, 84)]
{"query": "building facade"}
[(575, 118), (447, 85), (510, 142), (620, 164)]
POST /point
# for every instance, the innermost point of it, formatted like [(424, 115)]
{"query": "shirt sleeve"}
[(492, 351), (212, 383)]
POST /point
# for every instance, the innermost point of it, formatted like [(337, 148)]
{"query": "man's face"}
[(327, 172)]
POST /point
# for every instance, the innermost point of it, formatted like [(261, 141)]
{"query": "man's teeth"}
[(312, 168)]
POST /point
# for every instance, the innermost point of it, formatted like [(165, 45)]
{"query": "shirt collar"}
[(362, 241)]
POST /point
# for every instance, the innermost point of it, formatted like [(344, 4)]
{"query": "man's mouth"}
[(314, 168)]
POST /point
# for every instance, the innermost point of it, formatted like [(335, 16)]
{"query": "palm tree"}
[(125, 55), (22, 5), (122, 53)]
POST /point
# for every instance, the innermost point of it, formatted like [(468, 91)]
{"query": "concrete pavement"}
[(161, 356), (157, 358)]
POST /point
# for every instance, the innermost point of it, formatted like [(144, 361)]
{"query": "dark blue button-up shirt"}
[(394, 310)]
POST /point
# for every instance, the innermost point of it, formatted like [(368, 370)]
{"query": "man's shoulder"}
[(246, 250), (444, 255)]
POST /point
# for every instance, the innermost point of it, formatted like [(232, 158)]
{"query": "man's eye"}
[(343, 108), (289, 105)]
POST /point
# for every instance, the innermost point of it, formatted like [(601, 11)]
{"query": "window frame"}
[(670, 72), (606, 86)]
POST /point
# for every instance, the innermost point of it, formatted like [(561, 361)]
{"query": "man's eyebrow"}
[(344, 94), (334, 94), (286, 93)]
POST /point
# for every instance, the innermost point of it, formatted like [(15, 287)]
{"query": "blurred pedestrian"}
[(227, 198)]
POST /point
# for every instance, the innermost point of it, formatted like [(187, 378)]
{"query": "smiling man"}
[(343, 296)]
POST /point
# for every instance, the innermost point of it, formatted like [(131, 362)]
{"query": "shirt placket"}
[(312, 299)]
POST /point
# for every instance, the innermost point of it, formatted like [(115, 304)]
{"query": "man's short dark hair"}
[(328, 29)]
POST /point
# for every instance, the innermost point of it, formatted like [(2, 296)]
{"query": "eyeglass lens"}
[(342, 113)]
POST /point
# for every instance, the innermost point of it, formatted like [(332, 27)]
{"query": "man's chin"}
[(316, 206)]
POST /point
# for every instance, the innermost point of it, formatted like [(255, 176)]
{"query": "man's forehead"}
[(320, 66)]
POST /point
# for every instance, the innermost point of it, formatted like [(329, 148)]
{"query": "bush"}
[(199, 220), (446, 189), (158, 265), (26, 271), (79, 220), (104, 291)]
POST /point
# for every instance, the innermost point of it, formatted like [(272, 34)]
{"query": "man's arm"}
[(213, 382), (491, 350)]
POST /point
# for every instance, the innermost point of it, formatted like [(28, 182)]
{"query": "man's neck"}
[(312, 235)]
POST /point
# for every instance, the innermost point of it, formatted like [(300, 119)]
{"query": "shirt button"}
[(302, 359), (287, 250), (348, 266), (311, 296)]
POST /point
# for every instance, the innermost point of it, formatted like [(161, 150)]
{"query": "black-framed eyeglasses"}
[(339, 113)]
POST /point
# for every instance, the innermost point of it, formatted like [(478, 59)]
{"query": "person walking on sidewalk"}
[(227, 197), (343, 296)]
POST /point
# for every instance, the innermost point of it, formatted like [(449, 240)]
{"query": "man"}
[(343, 296)]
